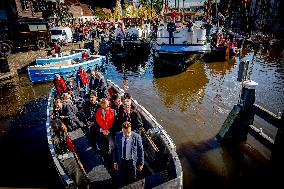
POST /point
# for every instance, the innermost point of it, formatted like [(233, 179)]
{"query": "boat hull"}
[(47, 72), (130, 50), (160, 154), (219, 54), (181, 49), (44, 61)]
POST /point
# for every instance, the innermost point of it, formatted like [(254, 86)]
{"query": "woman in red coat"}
[(105, 120), (59, 84)]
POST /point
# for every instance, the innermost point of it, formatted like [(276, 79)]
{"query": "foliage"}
[(156, 4), (102, 14), (117, 11), (62, 12)]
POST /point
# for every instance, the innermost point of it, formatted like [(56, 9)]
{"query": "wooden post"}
[(235, 128)]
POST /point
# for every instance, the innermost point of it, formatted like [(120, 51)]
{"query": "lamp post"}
[(217, 18)]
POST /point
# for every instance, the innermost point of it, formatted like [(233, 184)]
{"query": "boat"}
[(219, 47), (185, 43), (40, 73), (132, 41), (77, 53), (162, 167)]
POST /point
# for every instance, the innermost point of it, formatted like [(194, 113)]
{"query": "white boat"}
[(184, 41), (85, 167)]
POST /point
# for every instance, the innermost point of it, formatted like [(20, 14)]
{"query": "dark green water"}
[(190, 105)]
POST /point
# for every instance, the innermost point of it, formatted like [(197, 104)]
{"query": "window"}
[(25, 4), (56, 32), (37, 27), (38, 6)]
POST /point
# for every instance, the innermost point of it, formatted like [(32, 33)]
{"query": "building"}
[(12, 9)]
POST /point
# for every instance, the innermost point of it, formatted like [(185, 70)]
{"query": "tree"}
[(62, 13), (102, 14)]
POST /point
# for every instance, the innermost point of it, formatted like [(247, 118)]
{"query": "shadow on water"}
[(210, 165), (25, 160)]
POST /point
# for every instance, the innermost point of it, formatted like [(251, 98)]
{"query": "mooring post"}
[(235, 128)]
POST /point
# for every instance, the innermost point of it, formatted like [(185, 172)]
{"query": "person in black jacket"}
[(128, 114), (171, 27)]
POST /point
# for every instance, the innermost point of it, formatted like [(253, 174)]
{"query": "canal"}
[(190, 105)]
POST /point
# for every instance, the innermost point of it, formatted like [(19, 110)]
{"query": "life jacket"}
[(56, 47), (86, 55), (60, 85), (84, 78), (105, 122)]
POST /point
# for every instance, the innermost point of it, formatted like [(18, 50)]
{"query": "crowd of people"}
[(110, 121)]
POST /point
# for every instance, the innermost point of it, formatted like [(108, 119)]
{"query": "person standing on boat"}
[(57, 48), (128, 114), (101, 85), (90, 109), (93, 82), (171, 28), (59, 84), (190, 31), (82, 81), (85, 55), (128, 155), (105, 120)]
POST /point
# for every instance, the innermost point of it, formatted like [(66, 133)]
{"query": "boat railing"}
[(63, 176)]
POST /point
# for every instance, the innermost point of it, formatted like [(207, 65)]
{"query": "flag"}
[(122, 27)]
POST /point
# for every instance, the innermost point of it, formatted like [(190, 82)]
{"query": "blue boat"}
[(40, 73), (181, 49), (70, 56)]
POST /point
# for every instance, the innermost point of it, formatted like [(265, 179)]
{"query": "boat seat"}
[(93, 166), (73, 171), (152, 181), (150, 148), (57, 64)]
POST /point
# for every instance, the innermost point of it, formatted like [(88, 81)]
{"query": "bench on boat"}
[(94, 169)]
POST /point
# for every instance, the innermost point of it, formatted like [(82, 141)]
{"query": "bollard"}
[(235, 128), (243, 70), (248, 94)]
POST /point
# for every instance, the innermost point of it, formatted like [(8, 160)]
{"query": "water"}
[(190, 105)]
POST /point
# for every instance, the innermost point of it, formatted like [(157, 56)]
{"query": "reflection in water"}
[(180, 90), (13, 99), (131, 65), (221, 68)]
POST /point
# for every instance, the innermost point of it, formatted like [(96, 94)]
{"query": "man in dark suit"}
[(128, 114), (128, 155), (171, 28)]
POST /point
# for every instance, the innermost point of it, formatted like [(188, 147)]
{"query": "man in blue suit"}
[(128, 155)]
